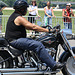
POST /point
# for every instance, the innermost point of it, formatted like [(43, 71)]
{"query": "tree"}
[(40, 3)]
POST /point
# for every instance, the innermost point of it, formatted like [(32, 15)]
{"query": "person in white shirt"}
[(33, 11)]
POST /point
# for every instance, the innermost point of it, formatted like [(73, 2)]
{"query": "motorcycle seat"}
[(14, 51)]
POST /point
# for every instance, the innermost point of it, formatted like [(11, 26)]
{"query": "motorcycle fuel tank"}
[(47, 39)]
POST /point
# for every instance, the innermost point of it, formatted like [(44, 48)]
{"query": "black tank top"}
[(13, 31)]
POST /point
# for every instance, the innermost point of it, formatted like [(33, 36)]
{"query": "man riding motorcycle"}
[(16, 34)]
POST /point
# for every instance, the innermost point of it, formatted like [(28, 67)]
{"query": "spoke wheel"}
[(3, 64), (5, 60)]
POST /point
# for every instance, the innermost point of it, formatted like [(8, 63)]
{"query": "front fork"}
[(70, 50), (67, 44)]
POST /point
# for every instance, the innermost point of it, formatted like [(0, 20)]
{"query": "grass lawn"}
[(41, 13)]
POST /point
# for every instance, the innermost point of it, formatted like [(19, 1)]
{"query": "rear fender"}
[(5, 53)]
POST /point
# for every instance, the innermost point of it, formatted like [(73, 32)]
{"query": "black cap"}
[(20, 4)]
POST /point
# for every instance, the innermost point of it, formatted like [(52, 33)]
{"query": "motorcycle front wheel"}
[(69, 68)]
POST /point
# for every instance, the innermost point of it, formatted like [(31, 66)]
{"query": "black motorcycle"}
[(11, 57), (52, 41)]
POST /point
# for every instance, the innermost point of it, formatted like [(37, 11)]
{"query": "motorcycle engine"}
[(51, 51)]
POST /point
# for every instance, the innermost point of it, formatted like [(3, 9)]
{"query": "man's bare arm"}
[(22, 21)]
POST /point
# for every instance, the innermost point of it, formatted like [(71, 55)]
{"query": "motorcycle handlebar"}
[(54, 29), (47, 26), (57, 27)]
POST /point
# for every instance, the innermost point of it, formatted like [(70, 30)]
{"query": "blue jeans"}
[(35, 46), (68, 25)]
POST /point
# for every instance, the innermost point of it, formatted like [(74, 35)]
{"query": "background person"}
[(16, 34), (2, 6), (33, 11), (48, 14), (66, 13)]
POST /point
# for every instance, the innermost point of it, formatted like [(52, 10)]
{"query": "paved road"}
[(72, 43)]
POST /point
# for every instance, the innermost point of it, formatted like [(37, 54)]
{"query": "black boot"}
[(57, 66)]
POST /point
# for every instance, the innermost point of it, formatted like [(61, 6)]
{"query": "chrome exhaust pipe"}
[(22, 73), (18, 70), (25, 71), (29, 73)]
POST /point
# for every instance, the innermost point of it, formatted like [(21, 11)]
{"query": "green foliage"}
[(40, 3)]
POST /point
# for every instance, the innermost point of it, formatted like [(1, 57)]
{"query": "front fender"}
[(65, 55)]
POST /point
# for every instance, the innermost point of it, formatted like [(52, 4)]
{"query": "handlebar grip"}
[(53, 31)]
